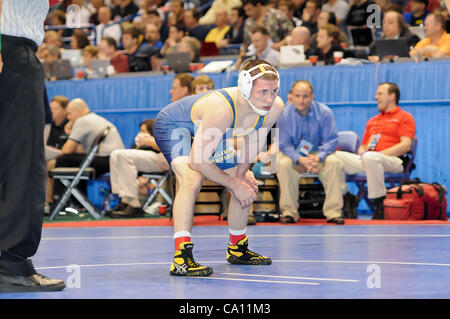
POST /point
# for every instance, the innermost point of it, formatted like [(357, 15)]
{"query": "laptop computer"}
[(396, 47), (417, 30), (100, 68), (361, 37), (179, 61), (74, 56), (61, 69), (208, 49), (291, 55)]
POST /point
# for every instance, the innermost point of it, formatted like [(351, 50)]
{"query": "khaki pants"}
[(374, 165), (125, 165), (330, 175)]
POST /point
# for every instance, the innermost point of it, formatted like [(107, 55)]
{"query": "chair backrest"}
[(100, 138), (348, 141), (410, 166), (94, 147)]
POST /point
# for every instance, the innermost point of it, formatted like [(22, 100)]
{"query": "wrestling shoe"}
[(240, 255), (185, 265)]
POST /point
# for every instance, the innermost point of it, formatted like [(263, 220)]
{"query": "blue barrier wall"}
[(348, 90)]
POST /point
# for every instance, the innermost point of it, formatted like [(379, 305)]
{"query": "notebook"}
[(179, 61)]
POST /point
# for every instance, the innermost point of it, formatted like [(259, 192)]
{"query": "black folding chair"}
[(71, 176)]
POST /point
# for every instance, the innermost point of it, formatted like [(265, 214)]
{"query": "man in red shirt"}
[(387, 137)]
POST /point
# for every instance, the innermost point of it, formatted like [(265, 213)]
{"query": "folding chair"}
[(157, 180), (71, 176), (273, 188), (391, 179)]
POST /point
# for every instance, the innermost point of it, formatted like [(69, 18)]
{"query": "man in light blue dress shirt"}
[(308, 141)]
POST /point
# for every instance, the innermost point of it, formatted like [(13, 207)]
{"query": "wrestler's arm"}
[(216, 119)]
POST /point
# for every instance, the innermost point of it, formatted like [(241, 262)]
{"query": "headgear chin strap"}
[(256, 110), (245, 84)]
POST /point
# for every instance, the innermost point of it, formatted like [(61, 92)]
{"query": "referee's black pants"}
[(22, 157)]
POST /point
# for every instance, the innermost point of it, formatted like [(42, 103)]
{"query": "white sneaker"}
[(153, 209)]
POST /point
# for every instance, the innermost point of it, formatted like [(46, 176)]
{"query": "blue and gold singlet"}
[(174, 130)]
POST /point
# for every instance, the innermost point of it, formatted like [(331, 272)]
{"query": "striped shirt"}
[(24, 18)]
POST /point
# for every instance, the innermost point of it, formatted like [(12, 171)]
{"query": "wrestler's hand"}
[(249, 178), (1, 63), (244, 194)]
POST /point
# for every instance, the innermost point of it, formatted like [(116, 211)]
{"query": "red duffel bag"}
[(415, 200)]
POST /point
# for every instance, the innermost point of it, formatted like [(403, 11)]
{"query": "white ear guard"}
[(245, 79)]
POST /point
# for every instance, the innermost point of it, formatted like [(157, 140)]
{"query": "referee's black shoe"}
[(33, 283)]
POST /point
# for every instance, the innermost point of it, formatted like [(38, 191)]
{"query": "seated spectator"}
[(236, 33), (394, 27), (58, 18), (53, 38), (175, 13), (193, 27), (202, 84), (108, 51), (358, 14), (431, 7), (55, 136), (300, 36), (50, 54), (340, 8), (154, 17), (125, 165), (82, 15), (260, 40), (418, 13), (152, 37), (79, 40), (209, 16), (328, 18), (83, 127), (137, 62), (90, 53), (181, 86), (124, 9), (310, 15), (387, 138), (327, 43), (176, 33), (191, 45), (106, 27), (94, 6), (278, 25), (437, 42), (299, 6), (222, 27), (308, 141), (287, 7)]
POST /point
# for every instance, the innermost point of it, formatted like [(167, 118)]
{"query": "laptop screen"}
[(361, 36)]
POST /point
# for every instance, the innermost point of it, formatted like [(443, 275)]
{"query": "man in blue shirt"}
[(308, 141)]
